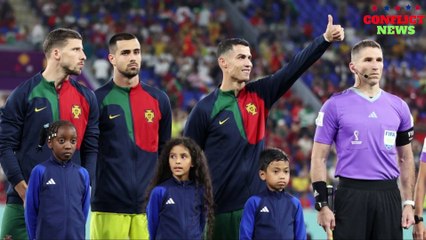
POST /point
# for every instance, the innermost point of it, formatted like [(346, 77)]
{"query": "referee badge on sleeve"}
[(320, 119), (389, 139)]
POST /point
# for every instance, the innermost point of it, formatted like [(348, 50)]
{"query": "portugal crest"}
[(149, 115), (76, 111), (251, 108)]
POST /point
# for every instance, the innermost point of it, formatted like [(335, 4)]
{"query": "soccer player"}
[(229, 124), (48, 96), (135, 122)]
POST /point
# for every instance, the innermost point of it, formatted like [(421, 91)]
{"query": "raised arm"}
[(273, 87)]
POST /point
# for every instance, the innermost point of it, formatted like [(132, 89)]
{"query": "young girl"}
[(181, 193), (57, 199)]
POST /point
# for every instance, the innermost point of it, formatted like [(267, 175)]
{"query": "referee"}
[(372, 131)]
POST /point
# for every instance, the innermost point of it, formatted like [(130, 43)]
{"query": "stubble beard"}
[(69, 71), (129, 73)]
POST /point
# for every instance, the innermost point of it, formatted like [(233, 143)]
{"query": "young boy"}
[(273, 214)]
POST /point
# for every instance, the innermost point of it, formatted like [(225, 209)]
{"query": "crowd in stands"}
[(179, 40)]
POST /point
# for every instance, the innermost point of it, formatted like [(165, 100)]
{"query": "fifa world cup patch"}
[(356, 140), (389, 139)]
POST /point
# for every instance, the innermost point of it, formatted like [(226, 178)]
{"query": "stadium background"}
[(179, 40)]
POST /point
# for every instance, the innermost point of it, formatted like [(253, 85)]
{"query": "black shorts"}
[(367, 209)]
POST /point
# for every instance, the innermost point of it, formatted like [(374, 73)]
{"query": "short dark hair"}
[(269, 155), (59, 38), (118, 37), (227, 44), (364, 44)]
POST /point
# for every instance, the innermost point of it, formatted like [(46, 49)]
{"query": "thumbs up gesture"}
[(333, 32)]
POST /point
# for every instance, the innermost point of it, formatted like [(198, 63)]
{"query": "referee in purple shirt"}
[(372, 131), (419, 229)]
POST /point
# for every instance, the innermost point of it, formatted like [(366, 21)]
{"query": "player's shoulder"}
[(26, 86), (206, 102), (157, 93)]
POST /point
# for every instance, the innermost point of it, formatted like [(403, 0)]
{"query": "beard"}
[(69, 71), (129, 73)]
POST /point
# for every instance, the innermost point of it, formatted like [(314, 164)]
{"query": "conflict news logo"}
[(403, 22)]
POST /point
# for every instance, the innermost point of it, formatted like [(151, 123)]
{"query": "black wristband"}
[(320, 191), (418, 219)]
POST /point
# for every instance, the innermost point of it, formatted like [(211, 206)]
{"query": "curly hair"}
[(199, 173)]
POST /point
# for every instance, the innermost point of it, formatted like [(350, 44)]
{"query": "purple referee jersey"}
[(423, 154), (364, 131)]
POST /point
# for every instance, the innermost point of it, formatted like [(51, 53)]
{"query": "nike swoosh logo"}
[(222, 122), (114, 116), (39, 109)]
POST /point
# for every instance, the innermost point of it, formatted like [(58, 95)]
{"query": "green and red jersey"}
[(134, 124), (231, 129), (30, 106)]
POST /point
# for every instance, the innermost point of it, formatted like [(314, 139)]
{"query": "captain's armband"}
[(404, 138)]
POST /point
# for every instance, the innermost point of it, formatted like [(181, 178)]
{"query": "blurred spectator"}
[(101, 69)]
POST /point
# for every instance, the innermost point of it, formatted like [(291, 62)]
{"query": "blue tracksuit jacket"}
[(175, 211), (272, 215), (57, 201)]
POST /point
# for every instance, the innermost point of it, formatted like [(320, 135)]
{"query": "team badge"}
[(251, 108), (149, 115), (76, 111)]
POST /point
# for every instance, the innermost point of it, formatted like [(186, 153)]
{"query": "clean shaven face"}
[(238, 65), (277, 175), (369, 61), (180, 162), (63, 145)]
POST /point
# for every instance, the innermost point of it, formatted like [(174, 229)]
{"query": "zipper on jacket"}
[(66, 195), (241, 116), (134, 159)]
